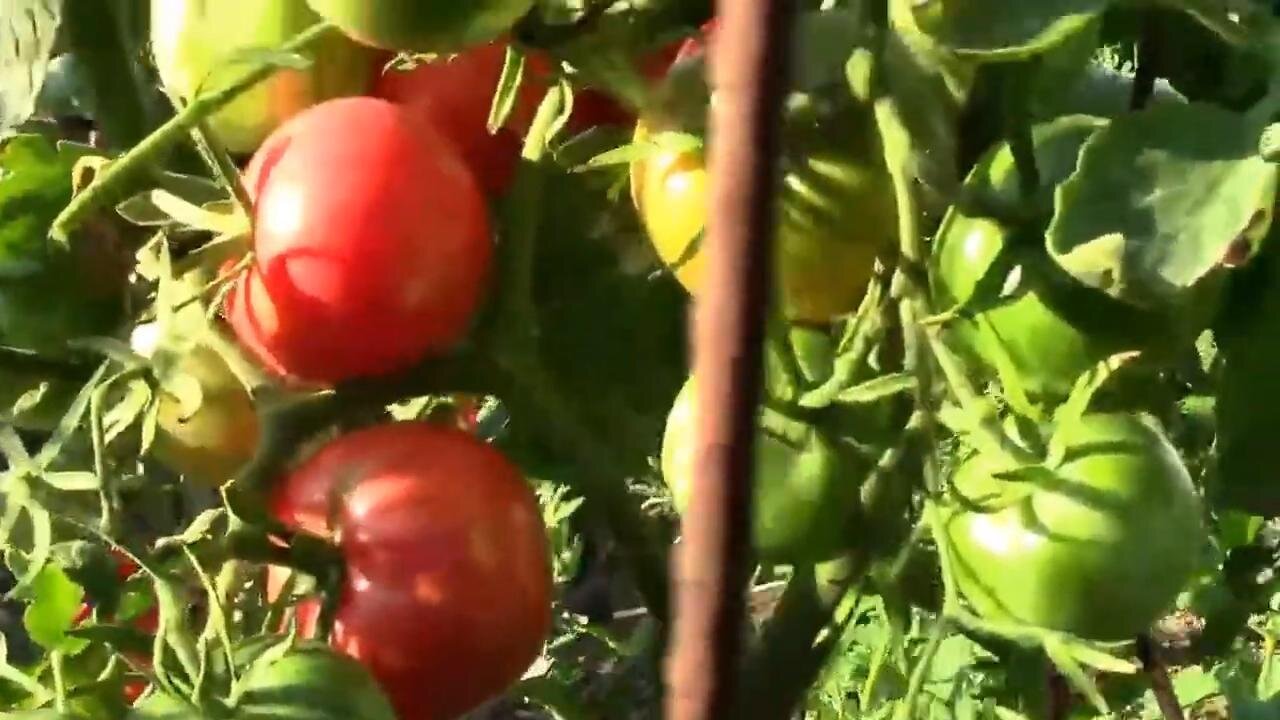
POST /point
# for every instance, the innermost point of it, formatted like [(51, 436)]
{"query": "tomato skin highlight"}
[(1098, 550), (371, 240), (447, 595), (426, 26), (195, 43)]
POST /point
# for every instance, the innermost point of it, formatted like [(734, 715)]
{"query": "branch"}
[(1158, 675), (114, 180)]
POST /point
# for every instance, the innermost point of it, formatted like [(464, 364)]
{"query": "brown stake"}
[(749, 69)]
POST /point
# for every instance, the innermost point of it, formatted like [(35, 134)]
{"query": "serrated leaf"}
[(1159, 199), (53, 603), (1002, 29), (28, 29)]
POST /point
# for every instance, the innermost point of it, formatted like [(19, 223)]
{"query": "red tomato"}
[(447, 593), (371, 244), (454, 94)]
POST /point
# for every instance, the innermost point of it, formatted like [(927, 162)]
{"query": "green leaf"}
[(876, 389), (35, 184), (1002, 29), (27, 32), (1065, 660), (1160, 199), (54, 602), (508, 92), (659, 143)]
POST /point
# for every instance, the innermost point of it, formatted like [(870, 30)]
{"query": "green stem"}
[(110, 183), (59, 682), (224, 170), (920, 673), (1015, 95), (787, 659)]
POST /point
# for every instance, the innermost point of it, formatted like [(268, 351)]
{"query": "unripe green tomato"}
[(214, 442), (1047, 328), (427, 26), (806, 490), (201, 45), (1098, 547)]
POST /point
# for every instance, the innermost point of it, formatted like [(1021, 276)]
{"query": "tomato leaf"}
[(54, 602), (1003, 29), (27, 32), (657, 144), (508, 90), (1064, 658), (35, 184), (876, 389), (1160, 199)]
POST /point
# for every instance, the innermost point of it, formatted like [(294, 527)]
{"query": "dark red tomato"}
[(454, 93), (447, 597), (371, 244)]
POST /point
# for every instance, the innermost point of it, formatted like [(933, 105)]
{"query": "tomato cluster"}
[(372, 249)]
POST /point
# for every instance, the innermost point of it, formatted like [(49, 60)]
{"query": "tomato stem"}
[(114, 180)]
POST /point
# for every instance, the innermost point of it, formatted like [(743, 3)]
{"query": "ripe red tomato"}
[(371, 244), (447, 594), (454, 94)]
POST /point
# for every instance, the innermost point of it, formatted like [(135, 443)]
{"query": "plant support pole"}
[(749, 68)]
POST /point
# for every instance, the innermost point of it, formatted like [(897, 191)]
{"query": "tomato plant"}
[(446, 566), (435, 26), (199, 44), (340, 207), (380, 402)]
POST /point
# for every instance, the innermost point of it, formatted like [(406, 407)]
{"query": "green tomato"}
[(1046, 328), (428, 26), (200, 45), (806, 492), (213, 442), (1097, 547), (309, 681)]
